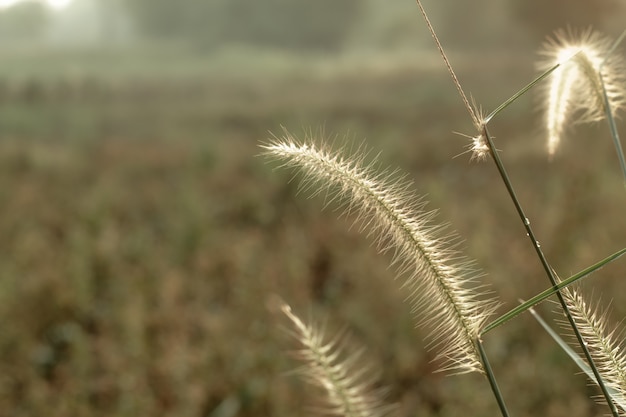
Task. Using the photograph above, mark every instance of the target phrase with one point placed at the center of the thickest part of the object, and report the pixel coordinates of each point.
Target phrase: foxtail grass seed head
(587, 67)
(603, 345)
(479, 147)
(347, 383)
(441, 285)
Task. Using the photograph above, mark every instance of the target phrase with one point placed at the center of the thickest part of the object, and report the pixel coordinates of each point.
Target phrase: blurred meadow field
(143, 240)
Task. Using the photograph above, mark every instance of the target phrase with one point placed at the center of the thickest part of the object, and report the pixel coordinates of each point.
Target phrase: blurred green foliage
(291, 24)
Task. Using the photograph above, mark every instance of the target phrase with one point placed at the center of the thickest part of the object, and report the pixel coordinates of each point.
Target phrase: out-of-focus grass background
(142, 238)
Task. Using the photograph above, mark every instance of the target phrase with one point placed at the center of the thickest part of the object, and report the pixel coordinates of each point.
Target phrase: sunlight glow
(53, 4)
(59, 4)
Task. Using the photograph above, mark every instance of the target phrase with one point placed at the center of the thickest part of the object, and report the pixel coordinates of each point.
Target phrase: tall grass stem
(457, 84)
(613, 127)
(520, 93)
(549, 272)
(615, 394)
(527, 305)
(492, 379)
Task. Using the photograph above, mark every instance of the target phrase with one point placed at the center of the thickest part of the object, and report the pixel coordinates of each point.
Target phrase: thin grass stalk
(492, 379)
(609, 110)
(616, 390)
(546, 267)
(602, 344)
(613, 127)
(474, 115)
(527, 305)
(478, 144)
(520, 93)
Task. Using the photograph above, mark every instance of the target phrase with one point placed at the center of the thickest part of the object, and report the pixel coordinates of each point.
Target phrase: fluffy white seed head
(603, 345)
(441, 285)
(586, 67)
(346, 378)
(479, 147)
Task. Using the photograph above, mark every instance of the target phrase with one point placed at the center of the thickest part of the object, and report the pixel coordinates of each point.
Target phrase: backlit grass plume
(347, 383)
(587, 71)
(604, 346)
(441, 284)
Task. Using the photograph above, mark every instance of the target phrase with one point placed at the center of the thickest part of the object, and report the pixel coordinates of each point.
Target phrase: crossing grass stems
(580, 74)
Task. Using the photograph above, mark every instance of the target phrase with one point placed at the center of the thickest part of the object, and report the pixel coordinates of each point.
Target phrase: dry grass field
(142, 238)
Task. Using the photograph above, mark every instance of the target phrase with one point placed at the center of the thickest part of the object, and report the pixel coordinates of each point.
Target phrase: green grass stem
(577, 359)
(492, 379)
(609, 111)
(546, 266)
(520, 93)
(613, 127)
(527, 305)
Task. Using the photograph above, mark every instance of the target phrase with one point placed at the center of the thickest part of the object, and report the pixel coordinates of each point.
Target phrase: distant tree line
(325, 25)
(292, 24)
